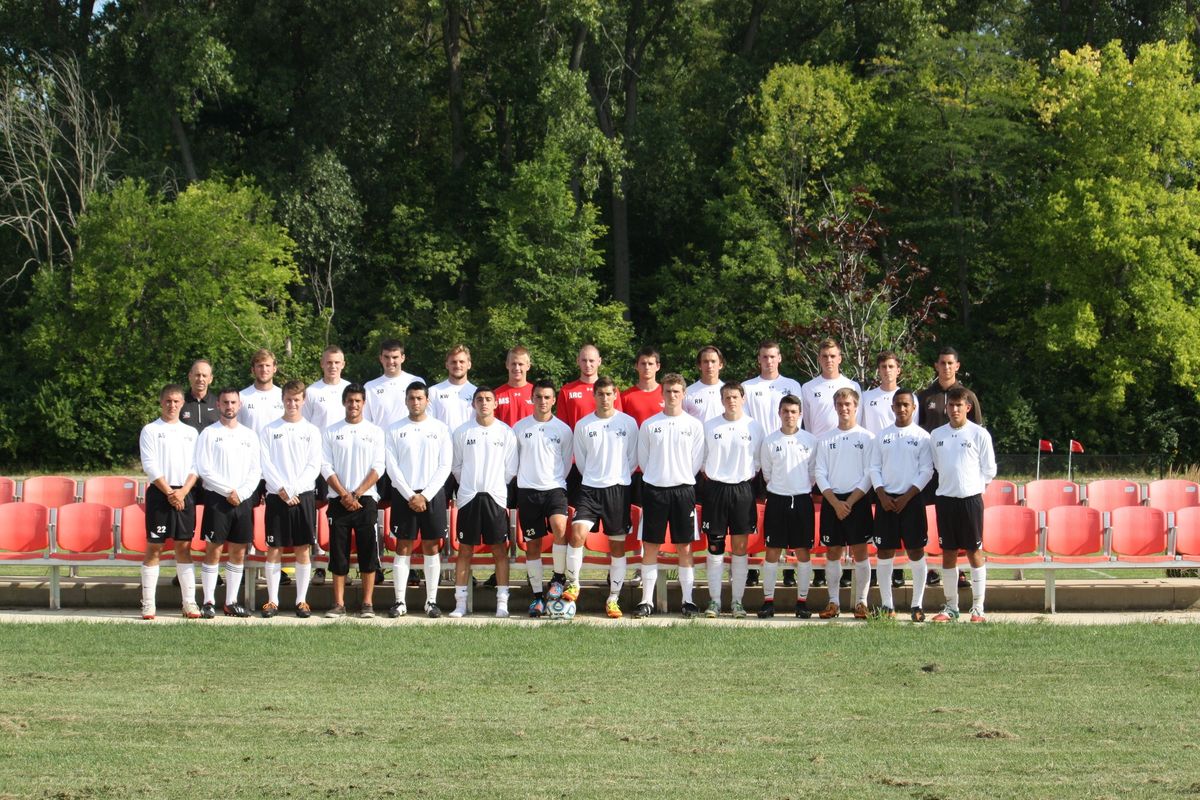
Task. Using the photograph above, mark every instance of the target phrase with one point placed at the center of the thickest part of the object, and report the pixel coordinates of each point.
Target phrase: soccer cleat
(337, 612)
(886, 613)
(917, 615)
(789, 577)
(845, 581)
(285, 579)
(459, 612)
(571, 592)
(303, 610)
(432, 611)
(414, 579)
(269, 610)
(713, 611)
(491, 581)
(397, 610)
(234, 610)
(367, 611)
(643, 610)
(860, 611)
(148, 609)
(978, 616)
(947, 614)
(318, 577)
(897, 579)
(752, 577)
(767, 610)
(818, 578)
(613, 609)
(802, 611)
(933, 579)
(963, 581)
(557, 586)
(208, 611)
(537, 608)
(832, 610)
(689, 610)
(739, 610)
(191, 610)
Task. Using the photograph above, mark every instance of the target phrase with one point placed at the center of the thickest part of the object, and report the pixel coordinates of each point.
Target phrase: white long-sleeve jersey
(731, 449)
(452, 404)
(419, 456)
(606, 450)
(260, 409)
(901, 459)
(789, 462)
(485, 460)
(875, 409)
(817, 414)
(168, 451)
(291, 456)
(544, 452)
(671, 449)
(351, 452)
(385, 399)
(762, 399)
(228, 460)
(703, 400)
(323, 403)
(844, 460)
(964, 459)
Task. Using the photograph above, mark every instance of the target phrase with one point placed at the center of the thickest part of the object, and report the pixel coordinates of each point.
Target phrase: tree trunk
(963, 291)
(452, 44)
(185, 148)
(752, 25)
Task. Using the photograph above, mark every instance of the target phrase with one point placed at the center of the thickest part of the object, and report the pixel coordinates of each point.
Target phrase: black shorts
(960, 523)
(164, 522)
(481, 521)
(535, 507)
(226, 523)
(788, 522)
(574, 484)
(669, 507)
(607, 507)
(321, 491)
(363, 524)
(383, 486)
(511, 502)
(637, 483)
(854, 529)
(433, 523)
(728, 508)
(259, 492)
(291, 526)
(908, 530)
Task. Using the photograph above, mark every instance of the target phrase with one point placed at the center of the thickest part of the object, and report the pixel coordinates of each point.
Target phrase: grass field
(575, 711)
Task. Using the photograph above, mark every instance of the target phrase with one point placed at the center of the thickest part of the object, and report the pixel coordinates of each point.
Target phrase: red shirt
(513, 403)
(642, 405)
(576, 400)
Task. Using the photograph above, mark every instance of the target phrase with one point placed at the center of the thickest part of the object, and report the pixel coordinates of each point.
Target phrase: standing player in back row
(514, 402)
(703, 398)
(261, 401)
(817, 412)
(764, 392)
(323, 399)
(575, 401)
(642, 401)
(965, 464)
(875, 411)
(450, 400)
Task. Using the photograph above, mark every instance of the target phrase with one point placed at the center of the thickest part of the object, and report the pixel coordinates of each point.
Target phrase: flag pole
(1070, 452)
(1038, 477)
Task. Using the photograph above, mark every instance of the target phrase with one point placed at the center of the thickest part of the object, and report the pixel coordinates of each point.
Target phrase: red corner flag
(1045, 446)
(1076, 447)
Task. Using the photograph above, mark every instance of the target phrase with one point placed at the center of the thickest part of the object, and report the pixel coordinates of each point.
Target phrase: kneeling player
(901, 465)
(788, 461)
(843, 476)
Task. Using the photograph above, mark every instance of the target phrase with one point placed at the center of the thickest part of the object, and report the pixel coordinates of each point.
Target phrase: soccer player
(843, 476)
(875, 412)
(965, 463)
(385, 394)
(291, 463)
(261, 401)
(229, 463)
(420, 454)
(901, 465)
(450, 400)
(544, 455)
(642, 401)
(788, 462)
(605, 448)
(731, 450)
(670, 452)
(703, 398)
(322, 400)
(199, 405)
(576, 401)
(817, 412)
(485, 460)
(514, 399)
(352, 459)
(168, 452)
(764, 392)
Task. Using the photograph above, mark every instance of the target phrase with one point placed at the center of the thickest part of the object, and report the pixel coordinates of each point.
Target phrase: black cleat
(235, 610)
(789, 577)
(643, 610)
(397, 610)
(689, 610)
(897, 579)
(318, 577)
(752, 577)
(818, 577)
(768, 609)
(285, 579)
(918, 615)
(208, 611)
(414, 579)
(432, 611)
(802, 611)
(933, 579)
(491, 581)
(303, 611)
(845, 581)
(963, 582)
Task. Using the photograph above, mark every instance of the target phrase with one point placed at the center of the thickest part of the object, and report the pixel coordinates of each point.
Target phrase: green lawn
(577, 711)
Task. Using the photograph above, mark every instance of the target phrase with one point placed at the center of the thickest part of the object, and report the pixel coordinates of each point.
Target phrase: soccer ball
(561, 609)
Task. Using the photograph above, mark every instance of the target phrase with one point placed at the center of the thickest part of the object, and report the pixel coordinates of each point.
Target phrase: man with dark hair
(764, 391)
(385, 394)
(642, 401)
(703, 398)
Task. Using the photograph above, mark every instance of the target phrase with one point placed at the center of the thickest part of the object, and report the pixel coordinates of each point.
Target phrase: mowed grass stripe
(880, 710)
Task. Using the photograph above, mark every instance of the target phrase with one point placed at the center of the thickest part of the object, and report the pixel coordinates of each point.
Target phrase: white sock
(233, 581)
(502, 597)
(149, 583)
(187, 582)
(460, 598)
(303, 577)
(402, 566)
(616, 577)
(804, 571)
(833, 579)
(574, 563)
(687, 581)
(920, 571)
(862, 581)
(559, 553)
(533, 565)
(978, 587)
(715, 571)
(737, 576)
(885, 567)
(770, 573)
(433, 568)
(950, 586)
(208, 581)
(649, 578)
(274, 572)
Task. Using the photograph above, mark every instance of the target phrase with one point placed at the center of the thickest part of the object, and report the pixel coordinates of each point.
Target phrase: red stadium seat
(1112, 494)
(113, 491)
(597, 541)
(1187, 534)
(1074, 535)
(1010, 535)
(1139, 535)
(1000, 493)
(24, 533)
(83, 536)
(133, 533)
(1173, 494)
(50, 491)
(1047, 494)
(8, 490)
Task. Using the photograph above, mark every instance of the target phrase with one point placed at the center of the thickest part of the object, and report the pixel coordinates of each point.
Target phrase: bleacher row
(55, 522)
